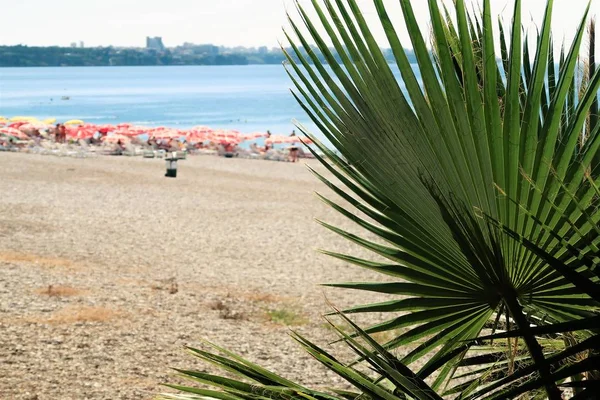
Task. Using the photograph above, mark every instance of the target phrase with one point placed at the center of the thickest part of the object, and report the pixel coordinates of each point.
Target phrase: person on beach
(63, 133)
(267, 147)
(58, 133)
(255, 149)
(36, 136)
(293, 150)
(120, 148)
(152, 143)
(173, 145)
(230, 147)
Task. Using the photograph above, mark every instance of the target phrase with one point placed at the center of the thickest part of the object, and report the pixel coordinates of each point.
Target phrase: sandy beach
(108, 269)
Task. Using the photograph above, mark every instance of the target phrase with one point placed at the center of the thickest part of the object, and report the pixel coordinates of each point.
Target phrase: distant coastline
(26, 56)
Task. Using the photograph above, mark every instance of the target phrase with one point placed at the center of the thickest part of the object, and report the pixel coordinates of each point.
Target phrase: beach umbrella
(104, 129)
(226, 133)
(252, 136)
(25, 119)
(224, 136)
(298, 140)
(280, 139)
(49, 121)
(74, 122)
(131, 130)
(168, 134)
(79, 132)
(139, 130)
(27, 127)
(193, 136)
(8, 131)
(200, 133)
(123, 125)
(115, 138)
(17, 125)
(276, 139)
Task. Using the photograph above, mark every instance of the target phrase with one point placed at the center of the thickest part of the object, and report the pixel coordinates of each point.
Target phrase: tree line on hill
(26, 56)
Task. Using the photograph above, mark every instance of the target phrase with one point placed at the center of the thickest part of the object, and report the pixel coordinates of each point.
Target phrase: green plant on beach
(481, 183)
(286, 317)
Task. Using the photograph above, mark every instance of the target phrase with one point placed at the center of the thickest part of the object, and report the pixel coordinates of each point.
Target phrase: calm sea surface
(246, 98)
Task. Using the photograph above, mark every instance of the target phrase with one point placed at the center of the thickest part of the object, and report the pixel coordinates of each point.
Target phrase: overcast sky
(222, 22)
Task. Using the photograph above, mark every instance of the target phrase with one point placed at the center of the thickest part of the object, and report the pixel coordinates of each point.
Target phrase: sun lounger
(276, 155)
(87, 150)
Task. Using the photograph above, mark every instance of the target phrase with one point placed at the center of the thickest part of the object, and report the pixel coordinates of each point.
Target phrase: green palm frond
(478, 173)
(463, 135)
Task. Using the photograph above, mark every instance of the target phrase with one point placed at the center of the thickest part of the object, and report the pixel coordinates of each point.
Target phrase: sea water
(252, 98)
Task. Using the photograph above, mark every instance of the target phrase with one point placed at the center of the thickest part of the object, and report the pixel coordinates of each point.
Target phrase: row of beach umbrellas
(22, 127)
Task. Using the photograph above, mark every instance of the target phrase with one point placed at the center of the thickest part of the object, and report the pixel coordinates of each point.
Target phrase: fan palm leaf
(455, 137)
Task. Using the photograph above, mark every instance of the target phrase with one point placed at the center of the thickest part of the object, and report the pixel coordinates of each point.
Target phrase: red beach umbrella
(276, 139)
(199, 135)
(33, 126)
(298, 139)
(167, 134)
(8, 131)
(79, 132)
(228, 136)
(115, 139)
(279, 139)
(18, 124)
(252, 136)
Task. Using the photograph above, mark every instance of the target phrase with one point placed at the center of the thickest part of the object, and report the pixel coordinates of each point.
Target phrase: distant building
(154, 43)
(206, 49)
(73, 44)
(81, 44)
(263, 50)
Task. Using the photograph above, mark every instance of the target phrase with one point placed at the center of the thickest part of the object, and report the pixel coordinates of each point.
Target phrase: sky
(223, 22)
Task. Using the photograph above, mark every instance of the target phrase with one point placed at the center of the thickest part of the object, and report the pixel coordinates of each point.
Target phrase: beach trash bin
(171, 162)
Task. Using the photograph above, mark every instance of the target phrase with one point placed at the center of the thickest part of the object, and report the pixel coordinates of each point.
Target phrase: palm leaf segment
(422, 161)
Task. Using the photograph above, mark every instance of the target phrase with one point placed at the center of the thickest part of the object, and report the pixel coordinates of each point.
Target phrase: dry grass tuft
(48, 262)
(172, 287)
(71, 315)
(226, 311)
(258, 297)
(59, 291)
